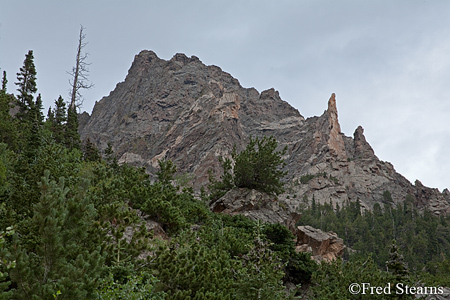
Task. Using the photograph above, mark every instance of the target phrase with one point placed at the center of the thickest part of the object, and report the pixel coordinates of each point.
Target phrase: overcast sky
(387, 61)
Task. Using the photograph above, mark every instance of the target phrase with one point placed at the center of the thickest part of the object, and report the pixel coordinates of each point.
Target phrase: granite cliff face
(191, 113)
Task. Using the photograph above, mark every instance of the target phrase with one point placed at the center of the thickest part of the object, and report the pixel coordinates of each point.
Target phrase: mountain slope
(191, 113)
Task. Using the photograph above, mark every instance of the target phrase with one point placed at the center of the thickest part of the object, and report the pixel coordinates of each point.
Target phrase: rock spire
(335, 140)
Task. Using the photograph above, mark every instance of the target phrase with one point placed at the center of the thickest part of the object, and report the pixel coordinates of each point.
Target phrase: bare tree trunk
(79, 73)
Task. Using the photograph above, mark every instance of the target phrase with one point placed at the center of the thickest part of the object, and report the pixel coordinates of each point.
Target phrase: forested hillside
(74, 224)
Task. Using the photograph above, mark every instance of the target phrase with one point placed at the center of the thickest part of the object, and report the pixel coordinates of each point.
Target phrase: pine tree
(91, 152)
(262, 272)
(259, 166)
(71, 136)
(191, 270)
(396, 264)
(26, 82)
(59, 120)
(5, 264)
(8, 126)
(38, 107)
(334, 279)
(4, 81)
(34, 134)
(49, 121)
(58, 262)
(33, 140)
(110, 157)
(166, 171)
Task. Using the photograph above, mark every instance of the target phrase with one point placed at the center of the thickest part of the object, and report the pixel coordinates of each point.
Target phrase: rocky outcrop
(190, 113)
(325, 246)
(362, 149)
(334, 134)
(256, 205)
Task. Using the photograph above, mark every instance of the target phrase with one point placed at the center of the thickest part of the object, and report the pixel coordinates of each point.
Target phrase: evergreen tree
(33, 141)
(5, 264)
(90, 151)
(4, 81)
(334, 280)
(189, 270)
(109, 156)
(262, 272)
(8, 125)
(26, 82)
(58, 261)
(166, 171)
(137, 287)
(396, 264)
(49, 121)
(298, 267)
(50, 115)
(259, 166)
(72, 137)
(34, 134)
(59, 119)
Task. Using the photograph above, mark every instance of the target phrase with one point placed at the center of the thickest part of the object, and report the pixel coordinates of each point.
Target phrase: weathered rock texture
(257, 206)
(191, 113)
(323, 245)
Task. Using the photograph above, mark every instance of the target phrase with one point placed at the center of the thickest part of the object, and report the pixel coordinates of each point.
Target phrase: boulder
(256, 205)
(323, 245)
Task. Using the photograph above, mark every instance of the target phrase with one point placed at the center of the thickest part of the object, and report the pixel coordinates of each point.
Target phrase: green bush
(135, 287)
(259, 166)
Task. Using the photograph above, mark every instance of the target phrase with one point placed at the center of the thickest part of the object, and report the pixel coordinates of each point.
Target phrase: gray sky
(387, 61)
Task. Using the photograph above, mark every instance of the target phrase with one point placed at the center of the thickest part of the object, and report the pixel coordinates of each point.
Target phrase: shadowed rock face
(183, 110)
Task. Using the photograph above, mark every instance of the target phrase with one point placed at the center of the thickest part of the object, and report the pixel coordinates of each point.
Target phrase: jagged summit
(335, 140)
(362, 147)
(191, 113)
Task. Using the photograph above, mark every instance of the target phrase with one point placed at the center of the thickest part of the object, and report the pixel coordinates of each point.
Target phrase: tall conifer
(59, 261)
(26, 82)
(8, 130)
(4, 81)
(59, 120)
(72, 137)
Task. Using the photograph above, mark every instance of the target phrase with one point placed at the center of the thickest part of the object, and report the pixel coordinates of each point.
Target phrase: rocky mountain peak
(183, 59)
(270, 94)
(182, 110)
(335, 140)
(143, 60)
(362, 147)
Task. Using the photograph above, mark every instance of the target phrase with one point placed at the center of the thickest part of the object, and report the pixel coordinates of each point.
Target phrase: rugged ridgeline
(191, 113)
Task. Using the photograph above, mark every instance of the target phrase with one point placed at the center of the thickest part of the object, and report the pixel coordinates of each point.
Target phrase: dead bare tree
(79, 74)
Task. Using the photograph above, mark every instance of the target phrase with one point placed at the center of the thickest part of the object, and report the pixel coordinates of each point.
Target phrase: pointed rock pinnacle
(335, 140)
(362, 147)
